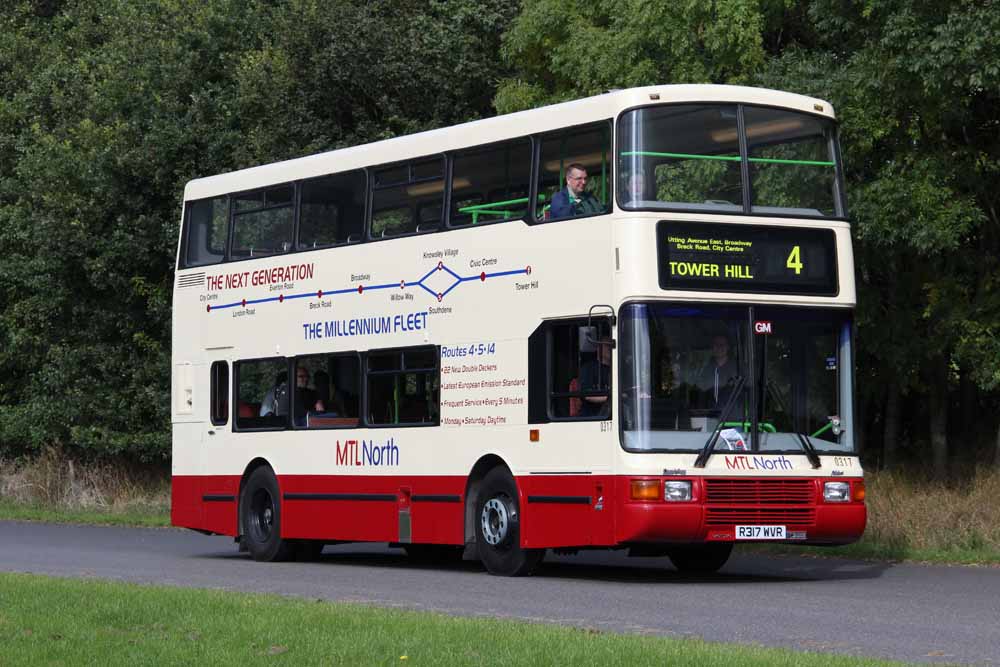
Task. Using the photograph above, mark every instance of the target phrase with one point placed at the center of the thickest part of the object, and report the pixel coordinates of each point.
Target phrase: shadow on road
(609, 566)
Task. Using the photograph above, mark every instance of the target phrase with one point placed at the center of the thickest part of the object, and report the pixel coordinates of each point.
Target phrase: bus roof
(489, 130)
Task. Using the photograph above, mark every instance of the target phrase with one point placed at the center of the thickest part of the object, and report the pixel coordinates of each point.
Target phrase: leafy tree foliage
(916, 86)
(107, 107)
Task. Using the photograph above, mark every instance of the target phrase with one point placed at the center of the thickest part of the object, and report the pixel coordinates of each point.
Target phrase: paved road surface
(905, 612)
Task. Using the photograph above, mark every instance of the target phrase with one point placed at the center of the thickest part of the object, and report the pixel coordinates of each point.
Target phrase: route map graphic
(361, 289)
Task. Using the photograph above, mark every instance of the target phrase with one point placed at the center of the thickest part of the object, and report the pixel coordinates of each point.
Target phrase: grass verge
(56, 621)
(130, 516)
(57, 489)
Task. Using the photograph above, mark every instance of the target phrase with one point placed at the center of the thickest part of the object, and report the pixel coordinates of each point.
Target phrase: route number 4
(794, 260)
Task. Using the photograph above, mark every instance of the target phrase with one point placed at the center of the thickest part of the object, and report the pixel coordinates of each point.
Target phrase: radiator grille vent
(759, 491)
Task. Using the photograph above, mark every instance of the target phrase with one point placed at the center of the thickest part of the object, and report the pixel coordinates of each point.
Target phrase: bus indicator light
(645, 489)
(533, 435)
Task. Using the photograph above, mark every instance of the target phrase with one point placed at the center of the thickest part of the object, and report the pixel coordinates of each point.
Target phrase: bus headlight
(836, 492)
(676, 491)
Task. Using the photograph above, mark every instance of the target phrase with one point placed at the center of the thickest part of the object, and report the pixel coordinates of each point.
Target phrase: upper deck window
(205, 235)
(262, 222)
(791, 162)
(681, 156)
(491, 184)
(408, 198)
(574, 173)
(332, 210)
(688, 157)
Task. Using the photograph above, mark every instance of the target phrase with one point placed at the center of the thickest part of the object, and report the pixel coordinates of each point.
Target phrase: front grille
(779, 516)
(759, 491)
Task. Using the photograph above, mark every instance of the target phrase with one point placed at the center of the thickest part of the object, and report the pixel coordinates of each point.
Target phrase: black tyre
(260, 509)
(429, 554)
(700, 558)
(498, 528)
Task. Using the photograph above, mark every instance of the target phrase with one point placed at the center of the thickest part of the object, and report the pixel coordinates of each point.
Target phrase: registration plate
(760, 532)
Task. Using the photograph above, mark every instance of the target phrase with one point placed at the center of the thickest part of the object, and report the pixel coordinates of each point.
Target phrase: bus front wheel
(498, 528)
(700, 558)
(261, 512)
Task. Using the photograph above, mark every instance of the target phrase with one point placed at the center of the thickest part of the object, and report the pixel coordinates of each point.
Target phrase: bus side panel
(566, 510)
(185, 501)
(220, 498)
(368, 508)
(437, 506)
(205, 502)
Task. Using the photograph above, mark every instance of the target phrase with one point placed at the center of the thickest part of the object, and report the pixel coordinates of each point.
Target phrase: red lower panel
(368, 509)
(207, 502)
(839, 524)
(566, 510)
(556, 511)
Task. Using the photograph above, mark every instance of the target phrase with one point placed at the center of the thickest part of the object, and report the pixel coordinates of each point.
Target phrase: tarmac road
(917, 613)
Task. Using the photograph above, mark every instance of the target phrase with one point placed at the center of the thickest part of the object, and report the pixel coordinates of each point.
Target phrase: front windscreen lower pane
(792, 167)
(681, 366)
(685, 370)
(681, 156)
(803, 373)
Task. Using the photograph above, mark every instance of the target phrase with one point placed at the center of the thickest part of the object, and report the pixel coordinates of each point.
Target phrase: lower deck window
(262, 392)
(404, 386)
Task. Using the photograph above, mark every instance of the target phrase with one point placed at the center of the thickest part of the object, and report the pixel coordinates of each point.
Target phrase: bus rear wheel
(260, 509)
(498, 528)
(700, 558)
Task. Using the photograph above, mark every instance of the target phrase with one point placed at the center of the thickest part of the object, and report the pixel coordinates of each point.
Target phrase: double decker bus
(618, 322)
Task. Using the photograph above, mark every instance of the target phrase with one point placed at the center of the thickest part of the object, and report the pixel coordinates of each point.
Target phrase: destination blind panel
(746, 258)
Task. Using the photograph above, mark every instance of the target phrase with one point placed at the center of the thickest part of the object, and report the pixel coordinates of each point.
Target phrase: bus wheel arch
(497, 522)
(472, 487)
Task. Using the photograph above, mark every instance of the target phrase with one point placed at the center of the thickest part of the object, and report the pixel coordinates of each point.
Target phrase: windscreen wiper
(706, 451)
(804, 441)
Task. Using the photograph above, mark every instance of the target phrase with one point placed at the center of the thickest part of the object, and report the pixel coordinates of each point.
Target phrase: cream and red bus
(431, 341)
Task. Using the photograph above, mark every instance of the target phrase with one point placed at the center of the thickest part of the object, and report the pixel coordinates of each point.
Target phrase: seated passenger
(574, 200)
(275, 401)
(635, 189)
(306, 399)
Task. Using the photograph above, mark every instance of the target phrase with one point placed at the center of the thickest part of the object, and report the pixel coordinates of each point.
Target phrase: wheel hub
(495, 521)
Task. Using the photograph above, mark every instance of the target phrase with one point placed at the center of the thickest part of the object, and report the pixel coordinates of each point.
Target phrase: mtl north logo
(367, 453)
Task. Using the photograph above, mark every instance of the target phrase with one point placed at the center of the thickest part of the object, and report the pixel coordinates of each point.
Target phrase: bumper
(712, 515)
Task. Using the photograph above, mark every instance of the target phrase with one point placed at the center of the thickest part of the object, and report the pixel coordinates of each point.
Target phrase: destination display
(746, 258)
